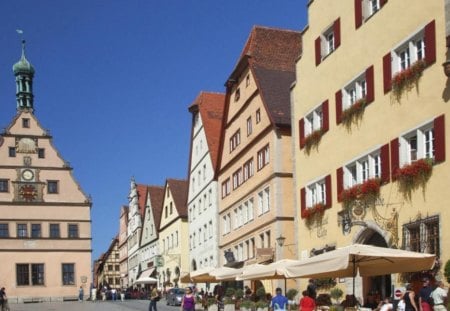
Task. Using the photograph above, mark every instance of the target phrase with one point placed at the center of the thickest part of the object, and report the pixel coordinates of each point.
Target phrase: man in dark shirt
(424, 295)
(311, 289)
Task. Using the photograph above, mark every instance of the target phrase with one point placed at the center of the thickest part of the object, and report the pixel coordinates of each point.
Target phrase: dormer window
(25, 122)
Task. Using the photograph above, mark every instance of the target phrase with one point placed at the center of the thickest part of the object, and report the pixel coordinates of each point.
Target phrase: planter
(228, 307)
(367, 192)
(313, 214)
(213, 307)
(405, 80)
(413, 176)
(354, 113)
(313, 140)
(199, 306)
(262, 309)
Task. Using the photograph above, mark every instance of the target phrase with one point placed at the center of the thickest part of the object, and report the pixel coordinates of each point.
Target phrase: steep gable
(211, 107)
(156, 195)
(179, 190)
(142, 198)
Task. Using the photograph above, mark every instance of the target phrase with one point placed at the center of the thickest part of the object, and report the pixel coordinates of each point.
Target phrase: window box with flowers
(366, 192)
(313, 140)
(313, 214)
(354, 113)
(405, 80)
(412, 176)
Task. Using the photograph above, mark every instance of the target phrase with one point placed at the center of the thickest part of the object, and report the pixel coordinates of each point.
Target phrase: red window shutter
(302, 201)
(338, 97)
(385, 165)
(395, 160)
(337, 33)
(358, 13)
(301, 130)
(383, 2)
(325, 116)
(430, 43)
(370, 96)
(439, 139)
(318, 51)
(328, 191)
(339, 183)
(387, 73)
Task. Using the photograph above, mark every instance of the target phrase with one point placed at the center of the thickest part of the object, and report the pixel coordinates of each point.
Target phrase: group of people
(4, 300)
(428, 299)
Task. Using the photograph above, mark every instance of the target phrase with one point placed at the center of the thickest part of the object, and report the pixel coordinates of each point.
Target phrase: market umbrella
(226, 273)
(146, 280)
(367, 260)
(203, 275)
(274, 270)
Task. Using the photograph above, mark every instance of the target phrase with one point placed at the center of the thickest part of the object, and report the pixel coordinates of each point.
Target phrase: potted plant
(366, 192)
(228, 300)
(354, 113)
(211, 303)
(290, 295)
(336, 293)
(412, 176)
(239, 294)
(261, 293)
(262, 305)
(247, 305)
(406, 79)
(313, 140)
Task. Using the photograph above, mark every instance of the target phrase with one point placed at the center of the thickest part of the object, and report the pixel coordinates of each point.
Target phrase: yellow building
(174, 233)
(45, 221)
(255, 175)
(369, 108)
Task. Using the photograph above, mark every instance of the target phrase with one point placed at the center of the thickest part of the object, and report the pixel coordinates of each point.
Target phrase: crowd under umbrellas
(349, 261)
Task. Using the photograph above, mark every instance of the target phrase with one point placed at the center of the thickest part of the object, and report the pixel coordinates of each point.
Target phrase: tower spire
(24, 72)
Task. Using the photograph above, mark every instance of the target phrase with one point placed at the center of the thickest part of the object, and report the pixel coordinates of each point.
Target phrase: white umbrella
(226, 273)
(203, 275)
(274, 270)
(146, 280)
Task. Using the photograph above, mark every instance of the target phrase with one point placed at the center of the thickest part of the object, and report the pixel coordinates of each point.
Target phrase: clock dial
(27, 174)
(28, 193)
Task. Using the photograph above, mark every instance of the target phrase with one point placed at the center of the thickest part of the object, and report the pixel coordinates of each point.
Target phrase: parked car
(174, 296)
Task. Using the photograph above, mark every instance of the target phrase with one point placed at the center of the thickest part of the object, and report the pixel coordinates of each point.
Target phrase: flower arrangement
(414, 175)
(406, 79)
(313, 140)
(354, 113)
(318, 208)
(367, 192)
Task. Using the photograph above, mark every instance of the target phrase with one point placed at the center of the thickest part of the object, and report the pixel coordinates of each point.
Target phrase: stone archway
(378, 286)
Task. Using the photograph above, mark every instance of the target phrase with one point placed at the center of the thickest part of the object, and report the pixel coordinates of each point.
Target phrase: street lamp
(280, 240)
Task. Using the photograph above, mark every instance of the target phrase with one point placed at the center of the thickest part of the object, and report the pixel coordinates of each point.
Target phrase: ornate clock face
(27, 174)
(28, 193)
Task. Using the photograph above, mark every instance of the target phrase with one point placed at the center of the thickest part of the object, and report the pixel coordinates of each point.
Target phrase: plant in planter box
(211, 303)
(313, 140)
(354, 113)
(336, 293)
(247, 304)
(262, 305)
(406, 79)
(412, 176)
(366, 192)
(290, 295)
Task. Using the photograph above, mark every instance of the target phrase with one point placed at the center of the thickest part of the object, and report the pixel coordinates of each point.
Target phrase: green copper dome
(23, 65)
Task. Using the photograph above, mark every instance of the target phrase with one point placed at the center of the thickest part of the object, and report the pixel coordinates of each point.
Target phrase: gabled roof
(271, 55)
(211, 107)
(179, 191)
(142, 198)
(156, 194)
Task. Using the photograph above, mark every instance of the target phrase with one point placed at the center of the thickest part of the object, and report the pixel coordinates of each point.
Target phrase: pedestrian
(94, 294)
(306, 303)
(4, 299)
(113, 294)
(312, 289)
(80, 294)
(439, 296)
(279, 301)
(188, 301)
(409, 297)
(154, 297)
(424, 295)
(386, 305)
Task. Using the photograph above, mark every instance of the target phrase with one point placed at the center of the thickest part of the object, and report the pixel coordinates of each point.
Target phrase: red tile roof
(156, 194)
(271, 56)
(179, 190)
(142, 198)
(211, 108)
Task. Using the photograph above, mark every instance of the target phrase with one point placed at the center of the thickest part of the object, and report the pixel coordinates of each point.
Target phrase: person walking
(188, 301)
(80, 294)
(154, 297)
(4, 300)
(439, 296)
(409, 299)
(279, 301)
(312, 289)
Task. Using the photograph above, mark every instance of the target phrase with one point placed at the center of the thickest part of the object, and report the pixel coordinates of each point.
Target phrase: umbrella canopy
(203, 275)
(368, 260)
(274, 270)
(146, 280)
(226, 273)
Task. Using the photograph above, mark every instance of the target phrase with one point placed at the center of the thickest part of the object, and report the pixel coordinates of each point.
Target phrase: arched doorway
(376, 286)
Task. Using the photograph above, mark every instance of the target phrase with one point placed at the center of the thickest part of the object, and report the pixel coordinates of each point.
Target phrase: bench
(70, 298)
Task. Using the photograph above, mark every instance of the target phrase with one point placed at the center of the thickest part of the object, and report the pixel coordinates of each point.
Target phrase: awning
(145, 277)
(146, 273)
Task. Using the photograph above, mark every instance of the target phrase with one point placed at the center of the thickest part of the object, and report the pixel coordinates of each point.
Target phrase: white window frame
(425, 144)
(408, 52)
(316, 193)
(362, 169)
(355, 90)
(313, 120)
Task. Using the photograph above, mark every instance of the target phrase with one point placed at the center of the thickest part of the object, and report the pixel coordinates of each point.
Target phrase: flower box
(414, 175)
(354, 113)
(366, 192)
(313, 140)
(406, 79)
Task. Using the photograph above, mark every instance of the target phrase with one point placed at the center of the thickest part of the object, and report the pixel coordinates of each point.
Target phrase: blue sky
(114, 79)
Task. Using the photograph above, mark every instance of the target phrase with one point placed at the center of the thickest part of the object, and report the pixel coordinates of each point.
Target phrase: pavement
(127, 305)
